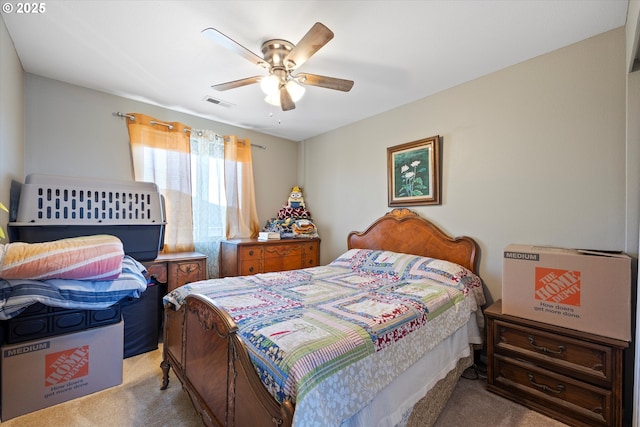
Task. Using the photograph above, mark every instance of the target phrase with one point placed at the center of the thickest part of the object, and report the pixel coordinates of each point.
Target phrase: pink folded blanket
(97, 257)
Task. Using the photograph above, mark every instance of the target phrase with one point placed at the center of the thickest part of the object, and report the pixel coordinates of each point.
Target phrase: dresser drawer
(311, 254)
(284, 250)
(250, 267)
(250, 253)
(580, 359)
(567, 397)
(283, 263)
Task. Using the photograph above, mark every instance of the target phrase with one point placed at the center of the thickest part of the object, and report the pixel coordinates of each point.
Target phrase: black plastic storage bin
(143, 320)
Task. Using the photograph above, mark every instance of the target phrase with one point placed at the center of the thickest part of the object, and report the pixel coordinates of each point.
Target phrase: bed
(379, 336)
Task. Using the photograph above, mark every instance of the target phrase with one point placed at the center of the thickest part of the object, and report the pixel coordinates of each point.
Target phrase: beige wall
(534, 153)
(71, 130)
(11, 118)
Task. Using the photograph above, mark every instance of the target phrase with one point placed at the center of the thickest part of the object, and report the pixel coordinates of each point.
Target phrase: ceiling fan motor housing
(275, 51)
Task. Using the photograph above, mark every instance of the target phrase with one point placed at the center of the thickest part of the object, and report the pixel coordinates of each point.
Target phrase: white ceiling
(395, 51)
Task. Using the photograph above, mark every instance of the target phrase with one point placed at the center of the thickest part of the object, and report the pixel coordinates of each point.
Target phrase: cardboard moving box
(583, 290)
(41, 373)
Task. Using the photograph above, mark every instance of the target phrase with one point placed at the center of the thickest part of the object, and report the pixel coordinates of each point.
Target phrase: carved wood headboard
(402, 230)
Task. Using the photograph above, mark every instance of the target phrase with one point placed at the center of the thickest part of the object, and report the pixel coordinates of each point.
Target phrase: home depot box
(40, 373)
(584, 290)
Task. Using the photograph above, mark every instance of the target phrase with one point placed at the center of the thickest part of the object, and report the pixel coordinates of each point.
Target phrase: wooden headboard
(402, 230)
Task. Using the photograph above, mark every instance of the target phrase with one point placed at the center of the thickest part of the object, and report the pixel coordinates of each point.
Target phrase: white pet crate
(56, 207)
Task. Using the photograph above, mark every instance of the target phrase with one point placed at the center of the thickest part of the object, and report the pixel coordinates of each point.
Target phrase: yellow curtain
(242, 214)
(161, 154)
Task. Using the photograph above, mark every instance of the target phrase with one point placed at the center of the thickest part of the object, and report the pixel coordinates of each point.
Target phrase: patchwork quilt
(312, 333)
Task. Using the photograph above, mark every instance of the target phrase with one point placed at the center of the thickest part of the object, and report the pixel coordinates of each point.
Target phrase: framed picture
(413, 171)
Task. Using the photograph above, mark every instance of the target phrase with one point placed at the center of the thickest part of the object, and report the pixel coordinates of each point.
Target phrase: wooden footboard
(202, 347)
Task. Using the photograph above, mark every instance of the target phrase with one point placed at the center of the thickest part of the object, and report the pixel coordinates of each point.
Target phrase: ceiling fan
(281, 58)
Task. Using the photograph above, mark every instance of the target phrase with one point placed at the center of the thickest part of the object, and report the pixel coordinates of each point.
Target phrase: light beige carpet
(472, 405)
(138, 401)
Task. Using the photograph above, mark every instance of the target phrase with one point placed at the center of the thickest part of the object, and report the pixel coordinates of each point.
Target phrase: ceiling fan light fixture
(295, 90)
(273, 99)
(270, 84)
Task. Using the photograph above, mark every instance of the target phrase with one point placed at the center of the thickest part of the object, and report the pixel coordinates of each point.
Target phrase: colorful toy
(295, 198)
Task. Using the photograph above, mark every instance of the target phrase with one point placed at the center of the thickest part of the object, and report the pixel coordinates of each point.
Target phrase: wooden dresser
(572, 376)
(242, 257)
(176, 269)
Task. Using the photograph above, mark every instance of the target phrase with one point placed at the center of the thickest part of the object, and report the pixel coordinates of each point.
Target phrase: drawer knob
(559, 388)
(250, 269)
(251, 252)
(545, 350)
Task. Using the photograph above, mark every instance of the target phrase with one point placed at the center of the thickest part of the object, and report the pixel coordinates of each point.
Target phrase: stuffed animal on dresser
(295, 198)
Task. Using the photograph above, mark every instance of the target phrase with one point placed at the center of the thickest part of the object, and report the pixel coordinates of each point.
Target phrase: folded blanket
(304, 228)
(97, 257)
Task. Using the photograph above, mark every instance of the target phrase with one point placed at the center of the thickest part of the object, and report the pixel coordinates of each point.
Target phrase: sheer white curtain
(208, 195)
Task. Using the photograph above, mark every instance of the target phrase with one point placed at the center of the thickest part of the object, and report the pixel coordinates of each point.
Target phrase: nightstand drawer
(586, 403)
(582, 359)
(186, 272)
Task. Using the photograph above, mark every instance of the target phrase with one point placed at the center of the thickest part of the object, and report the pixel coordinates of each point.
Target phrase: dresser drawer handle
(559, 388)
(251, 252)
(545, 350)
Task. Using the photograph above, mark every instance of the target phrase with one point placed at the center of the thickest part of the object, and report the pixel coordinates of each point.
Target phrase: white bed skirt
(390, 405)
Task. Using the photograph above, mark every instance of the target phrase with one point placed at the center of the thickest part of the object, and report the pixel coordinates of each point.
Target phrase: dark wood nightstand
(241, 257)
(176, 269)
(572, 376)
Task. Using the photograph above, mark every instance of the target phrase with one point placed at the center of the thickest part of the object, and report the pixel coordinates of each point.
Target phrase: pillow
(97, 257)
(408, 267)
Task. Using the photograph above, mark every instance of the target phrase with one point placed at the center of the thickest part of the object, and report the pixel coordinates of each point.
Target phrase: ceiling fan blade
(323, 81)
(285, 100)
(234, 46)
(237, 83)
(316, 37)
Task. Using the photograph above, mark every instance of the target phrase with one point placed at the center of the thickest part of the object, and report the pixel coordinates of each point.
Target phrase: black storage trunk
(41, 321)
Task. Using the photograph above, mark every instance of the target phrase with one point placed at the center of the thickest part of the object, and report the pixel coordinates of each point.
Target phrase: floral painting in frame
(413, 171)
